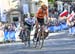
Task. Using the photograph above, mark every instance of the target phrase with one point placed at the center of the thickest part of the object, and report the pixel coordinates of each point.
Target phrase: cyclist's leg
(42, 33)
(36, 39)
(27, 33)
(39, 24)
(36, 31)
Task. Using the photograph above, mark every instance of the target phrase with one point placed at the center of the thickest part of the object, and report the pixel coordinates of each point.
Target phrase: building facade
(17, 8)
(14, 11)
(7, 7)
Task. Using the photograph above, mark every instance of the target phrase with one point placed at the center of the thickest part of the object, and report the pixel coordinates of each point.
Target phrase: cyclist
(30, 22)
(41, 13)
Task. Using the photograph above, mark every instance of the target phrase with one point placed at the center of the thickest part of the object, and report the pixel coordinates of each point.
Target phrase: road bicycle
(40, 36)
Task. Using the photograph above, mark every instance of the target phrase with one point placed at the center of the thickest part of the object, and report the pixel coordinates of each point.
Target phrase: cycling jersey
(30, 21)
(41, 13)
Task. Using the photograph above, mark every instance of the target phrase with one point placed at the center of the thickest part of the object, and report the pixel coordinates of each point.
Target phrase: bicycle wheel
(41, 39)
(27, 38)
(35, 40)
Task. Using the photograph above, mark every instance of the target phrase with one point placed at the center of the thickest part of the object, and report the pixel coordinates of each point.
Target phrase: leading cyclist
(41, 13)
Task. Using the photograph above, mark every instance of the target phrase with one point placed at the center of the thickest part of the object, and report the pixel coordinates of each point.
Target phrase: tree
(52, 1)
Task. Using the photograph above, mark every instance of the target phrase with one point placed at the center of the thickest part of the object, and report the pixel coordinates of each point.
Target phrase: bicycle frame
(40, 36)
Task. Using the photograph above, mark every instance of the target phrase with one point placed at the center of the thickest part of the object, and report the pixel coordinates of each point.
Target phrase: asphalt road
(56, 43)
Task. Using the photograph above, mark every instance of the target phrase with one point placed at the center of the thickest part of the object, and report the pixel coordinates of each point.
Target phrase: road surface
(56, 43)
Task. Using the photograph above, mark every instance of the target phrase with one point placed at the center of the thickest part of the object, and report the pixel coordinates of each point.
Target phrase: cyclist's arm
(46, 15)
(36, 23)
(47, 21)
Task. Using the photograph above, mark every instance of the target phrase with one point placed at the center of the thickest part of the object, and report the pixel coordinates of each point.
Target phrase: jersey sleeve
(47, 13)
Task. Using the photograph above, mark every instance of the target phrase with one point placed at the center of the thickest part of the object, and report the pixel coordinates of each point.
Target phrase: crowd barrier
(72, 30)
(58, 28)
(9, 35)
(13, 35)
(54, 28)
(64, 26)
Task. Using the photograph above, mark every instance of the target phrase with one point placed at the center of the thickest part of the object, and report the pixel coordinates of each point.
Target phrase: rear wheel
(35, 40)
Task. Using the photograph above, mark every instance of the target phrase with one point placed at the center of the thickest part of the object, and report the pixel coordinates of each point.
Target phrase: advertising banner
(25, 8)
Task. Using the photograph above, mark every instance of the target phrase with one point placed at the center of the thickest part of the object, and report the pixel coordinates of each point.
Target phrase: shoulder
(26, 19)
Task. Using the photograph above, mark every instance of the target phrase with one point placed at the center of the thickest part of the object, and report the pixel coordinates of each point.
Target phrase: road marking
(61, 39)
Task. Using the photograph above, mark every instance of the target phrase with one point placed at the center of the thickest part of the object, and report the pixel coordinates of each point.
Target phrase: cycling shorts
(40, 21)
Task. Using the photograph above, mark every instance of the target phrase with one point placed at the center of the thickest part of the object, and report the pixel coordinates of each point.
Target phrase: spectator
(1, 33)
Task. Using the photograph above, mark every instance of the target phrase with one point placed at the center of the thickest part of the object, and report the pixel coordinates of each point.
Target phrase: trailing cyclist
(28, 24)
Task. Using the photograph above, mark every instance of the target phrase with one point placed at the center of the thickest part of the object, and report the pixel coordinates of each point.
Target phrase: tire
(41, 41)
(27, 38)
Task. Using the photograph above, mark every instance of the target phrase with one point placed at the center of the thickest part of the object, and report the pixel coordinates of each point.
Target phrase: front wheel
(41, 42)
(41, 39)
(27, 38)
